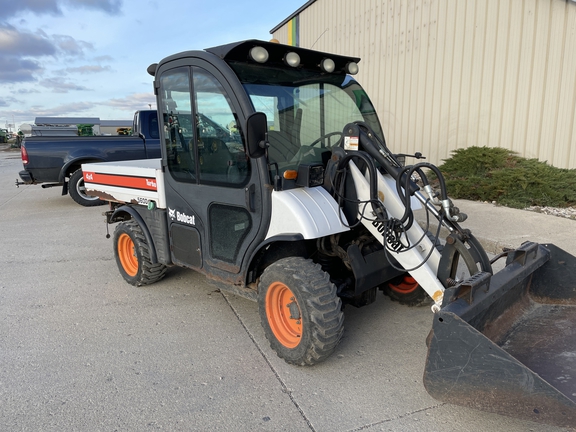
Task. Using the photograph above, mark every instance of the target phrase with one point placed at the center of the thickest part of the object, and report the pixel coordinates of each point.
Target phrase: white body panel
(426, 273)
(136, 182)
(311, 212)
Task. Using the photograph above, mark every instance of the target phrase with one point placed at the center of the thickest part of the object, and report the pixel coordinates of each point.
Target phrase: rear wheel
(405, 290)
(77, 191)
(132, 254)
(300, 311)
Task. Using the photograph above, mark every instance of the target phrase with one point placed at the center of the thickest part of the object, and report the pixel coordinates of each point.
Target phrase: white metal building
(447, 74)
(100, 127)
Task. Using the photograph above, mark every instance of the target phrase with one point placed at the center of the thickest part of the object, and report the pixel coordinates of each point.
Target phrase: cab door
(212, 192)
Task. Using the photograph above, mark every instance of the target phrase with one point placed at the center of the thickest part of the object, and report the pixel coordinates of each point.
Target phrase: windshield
(306, 111)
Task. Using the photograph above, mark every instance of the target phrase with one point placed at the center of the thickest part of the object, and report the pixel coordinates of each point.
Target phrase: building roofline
(40, 121)
(301, 9)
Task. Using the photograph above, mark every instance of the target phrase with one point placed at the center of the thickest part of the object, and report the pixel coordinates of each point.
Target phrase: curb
(491, 246)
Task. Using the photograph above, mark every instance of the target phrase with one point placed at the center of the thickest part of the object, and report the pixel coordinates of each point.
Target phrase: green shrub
(497, 174)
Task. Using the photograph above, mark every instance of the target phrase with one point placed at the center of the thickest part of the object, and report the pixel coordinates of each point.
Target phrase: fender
(311, 212)
(76, 161)
(263, 248)
(134, 214)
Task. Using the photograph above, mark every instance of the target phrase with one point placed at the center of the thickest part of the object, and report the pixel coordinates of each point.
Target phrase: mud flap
(507, 343)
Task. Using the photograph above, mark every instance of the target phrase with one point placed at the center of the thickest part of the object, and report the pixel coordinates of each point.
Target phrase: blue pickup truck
(56, 161)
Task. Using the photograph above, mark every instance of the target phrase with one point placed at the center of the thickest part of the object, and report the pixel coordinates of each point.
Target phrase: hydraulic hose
(406, 175)
(377, 206)
(380, 153)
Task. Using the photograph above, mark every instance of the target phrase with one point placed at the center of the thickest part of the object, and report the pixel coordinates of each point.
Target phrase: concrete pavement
(82, 350)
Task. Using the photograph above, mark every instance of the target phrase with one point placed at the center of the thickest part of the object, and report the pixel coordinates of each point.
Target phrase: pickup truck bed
(56, 161)
(136, 182)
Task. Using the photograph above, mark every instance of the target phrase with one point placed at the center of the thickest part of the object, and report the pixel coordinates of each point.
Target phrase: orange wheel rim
(127, 255)
(406, 286)
(281, 306)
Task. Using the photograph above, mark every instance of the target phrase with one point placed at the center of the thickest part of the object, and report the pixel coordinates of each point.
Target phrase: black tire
(405, 290)
(300, 311)
(132, 255)
(77, 191)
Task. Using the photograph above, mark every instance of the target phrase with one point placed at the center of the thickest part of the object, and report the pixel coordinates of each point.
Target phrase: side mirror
(257, 134)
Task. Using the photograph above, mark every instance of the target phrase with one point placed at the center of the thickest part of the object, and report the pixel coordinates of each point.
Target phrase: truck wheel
(132, 255)
(300, 311)
(78, 191)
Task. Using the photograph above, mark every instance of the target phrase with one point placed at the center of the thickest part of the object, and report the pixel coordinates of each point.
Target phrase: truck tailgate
(135, 182)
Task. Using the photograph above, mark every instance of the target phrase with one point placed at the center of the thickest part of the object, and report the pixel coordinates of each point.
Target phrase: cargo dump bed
(136, 182)
(507, 343)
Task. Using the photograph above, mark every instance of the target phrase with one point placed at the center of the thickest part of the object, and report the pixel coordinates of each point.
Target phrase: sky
(88, 58)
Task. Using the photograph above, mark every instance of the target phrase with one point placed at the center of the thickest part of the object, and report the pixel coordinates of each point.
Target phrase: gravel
(567, 212)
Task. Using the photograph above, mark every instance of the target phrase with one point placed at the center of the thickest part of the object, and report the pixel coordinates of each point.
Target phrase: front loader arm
(416, 252)
(386, 195)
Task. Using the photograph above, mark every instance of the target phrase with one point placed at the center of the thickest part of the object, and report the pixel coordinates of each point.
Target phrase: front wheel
(132, 254)
(300, 311)
(78, 193)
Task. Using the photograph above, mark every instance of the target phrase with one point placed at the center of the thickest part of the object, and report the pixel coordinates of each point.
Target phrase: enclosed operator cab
(224, 201)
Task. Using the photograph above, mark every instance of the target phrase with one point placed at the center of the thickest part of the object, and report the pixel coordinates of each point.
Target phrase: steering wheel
(326, 136)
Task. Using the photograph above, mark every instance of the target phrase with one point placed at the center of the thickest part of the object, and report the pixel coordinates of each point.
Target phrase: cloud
(18, 50)
(27, 91)
(11, 8)
(57, 85)
(88, 69)
(71, 109)
(133, 102)
(65, 109)
(70, 46)
(108, 6)
(28, 115)
(7, 101)
(104, 58)
(21, 43)
(14, 70)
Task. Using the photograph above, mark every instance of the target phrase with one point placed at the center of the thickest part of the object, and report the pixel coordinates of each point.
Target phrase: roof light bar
(328, 65)
(292, 59)
(259, 54)
(352, 68)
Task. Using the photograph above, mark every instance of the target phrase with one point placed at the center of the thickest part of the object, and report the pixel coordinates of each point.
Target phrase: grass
(500, 175)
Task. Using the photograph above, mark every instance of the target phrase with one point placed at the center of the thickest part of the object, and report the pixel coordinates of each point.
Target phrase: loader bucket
(507, 343)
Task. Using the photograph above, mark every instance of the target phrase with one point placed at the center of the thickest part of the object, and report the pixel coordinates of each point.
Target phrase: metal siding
(448, 74)
(567, 99)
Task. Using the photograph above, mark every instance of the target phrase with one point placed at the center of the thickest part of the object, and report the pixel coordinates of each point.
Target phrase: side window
(221, 154)
(284, 122)
(178, 130)
(136, 123)
(153, 127)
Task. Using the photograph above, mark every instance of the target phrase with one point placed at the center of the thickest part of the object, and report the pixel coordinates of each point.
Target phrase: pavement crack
(283, 385)
(408, 414)
(20, 191)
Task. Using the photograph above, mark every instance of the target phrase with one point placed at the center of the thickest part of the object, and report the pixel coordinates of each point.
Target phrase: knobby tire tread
(150, 273)
(323, 305)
